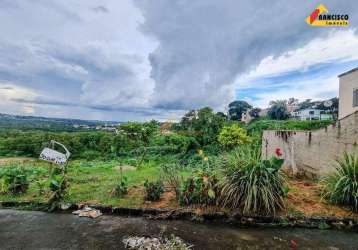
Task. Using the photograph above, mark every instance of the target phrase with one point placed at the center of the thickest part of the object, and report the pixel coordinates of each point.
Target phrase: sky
(140, 60)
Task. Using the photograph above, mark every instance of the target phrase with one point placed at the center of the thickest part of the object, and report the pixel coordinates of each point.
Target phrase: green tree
(233, 135)
(278, 110)
(236, 109)
(203, 124)
(255, 112)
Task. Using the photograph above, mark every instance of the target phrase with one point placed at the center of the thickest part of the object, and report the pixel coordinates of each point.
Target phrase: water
(38, 230)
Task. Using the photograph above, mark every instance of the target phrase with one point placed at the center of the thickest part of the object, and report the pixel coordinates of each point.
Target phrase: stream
(39, 230)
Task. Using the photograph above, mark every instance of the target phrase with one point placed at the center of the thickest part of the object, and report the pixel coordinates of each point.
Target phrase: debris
(154, 243)
(293, 244)
(88, 212)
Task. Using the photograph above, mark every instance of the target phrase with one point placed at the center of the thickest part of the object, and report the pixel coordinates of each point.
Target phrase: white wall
(347, 83)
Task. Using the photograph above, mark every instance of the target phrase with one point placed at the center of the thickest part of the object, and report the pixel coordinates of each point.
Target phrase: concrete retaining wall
(313, 153)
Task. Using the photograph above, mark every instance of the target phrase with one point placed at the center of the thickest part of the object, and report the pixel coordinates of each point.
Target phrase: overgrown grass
(258, 126)
(91, 182)
(341, 187)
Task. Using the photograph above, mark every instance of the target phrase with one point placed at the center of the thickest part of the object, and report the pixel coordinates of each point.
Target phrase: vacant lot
(92, 182)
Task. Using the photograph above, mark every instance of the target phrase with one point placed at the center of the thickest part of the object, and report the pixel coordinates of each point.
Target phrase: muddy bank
(236, 219)
(39, 230)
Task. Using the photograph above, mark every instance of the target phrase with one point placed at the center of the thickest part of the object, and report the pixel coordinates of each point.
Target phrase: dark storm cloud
(45, 101)
(204, 45)
(145, 57)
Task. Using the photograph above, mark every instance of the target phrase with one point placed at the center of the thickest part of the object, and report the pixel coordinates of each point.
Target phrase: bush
(233, 135)
(121, 188)
(153, 190)
(258, 126)
(256, 186)
(171, 175)
(15, 179)
(341, 187)
(202, 189)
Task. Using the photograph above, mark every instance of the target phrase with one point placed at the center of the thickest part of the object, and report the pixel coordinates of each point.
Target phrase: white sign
(54, 156)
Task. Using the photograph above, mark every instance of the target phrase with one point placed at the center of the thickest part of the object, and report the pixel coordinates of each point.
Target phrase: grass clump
(153, 190)
(201, 188)
(14, 179)
(253, 185)
(341, 187)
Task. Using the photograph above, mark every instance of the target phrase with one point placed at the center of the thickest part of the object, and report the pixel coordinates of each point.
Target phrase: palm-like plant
(341, 187)
(253, 185)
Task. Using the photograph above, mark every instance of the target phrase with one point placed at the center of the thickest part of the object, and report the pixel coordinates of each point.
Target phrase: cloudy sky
(141, 59)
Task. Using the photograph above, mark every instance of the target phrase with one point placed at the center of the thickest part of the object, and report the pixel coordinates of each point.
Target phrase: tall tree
(278, 110)
(236, 109)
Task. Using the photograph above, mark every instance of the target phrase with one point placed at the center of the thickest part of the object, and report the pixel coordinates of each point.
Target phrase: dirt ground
(303, 199)
(7, 160)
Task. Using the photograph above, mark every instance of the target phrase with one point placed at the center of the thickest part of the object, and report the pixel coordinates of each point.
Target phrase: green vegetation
(202, 188)
(342, 186)
(153, 190)
(233, 135)
(14, 179)
(278, 110)
(259, 125)
(203, 160)
(253, 185)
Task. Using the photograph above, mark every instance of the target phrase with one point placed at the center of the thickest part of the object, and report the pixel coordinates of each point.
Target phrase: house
(247, 118)
(348, 93)
(310, 114)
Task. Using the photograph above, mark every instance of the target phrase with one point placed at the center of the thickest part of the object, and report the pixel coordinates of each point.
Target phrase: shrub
(171, 175)
(341, 187)
(58, 185)
(233, 135)
(256, 186)
(15, 179)
(153, 190)
(122, 186)
(202, 189)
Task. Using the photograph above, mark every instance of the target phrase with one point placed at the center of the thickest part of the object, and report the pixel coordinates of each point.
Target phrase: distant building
(247, 118)
(310, 114)
(348, 93)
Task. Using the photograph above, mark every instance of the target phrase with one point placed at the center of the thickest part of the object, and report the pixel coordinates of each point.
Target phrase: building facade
(310, 114)
(348, 93)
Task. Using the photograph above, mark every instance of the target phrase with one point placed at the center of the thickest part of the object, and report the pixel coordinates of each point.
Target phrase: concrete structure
(247, 118)
(313, 153)
(310, 114)
(348, 93)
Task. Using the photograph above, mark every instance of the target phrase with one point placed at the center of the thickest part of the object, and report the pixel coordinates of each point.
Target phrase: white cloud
(339, 46)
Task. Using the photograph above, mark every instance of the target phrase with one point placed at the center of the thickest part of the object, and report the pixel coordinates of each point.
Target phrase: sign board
(54, 156)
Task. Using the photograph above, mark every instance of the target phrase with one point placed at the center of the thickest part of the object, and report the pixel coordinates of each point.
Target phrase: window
(311, 112)
(355, 97)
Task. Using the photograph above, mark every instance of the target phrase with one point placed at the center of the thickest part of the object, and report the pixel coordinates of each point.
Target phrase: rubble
(88, 212)
(155, 243)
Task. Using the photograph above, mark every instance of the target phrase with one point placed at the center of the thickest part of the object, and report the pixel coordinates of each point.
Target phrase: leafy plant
(341, 187)
(251, 184)
(233, 135)
(202, 188)
(15, 179)
(121, 188)
(153, 190)
(58, 185)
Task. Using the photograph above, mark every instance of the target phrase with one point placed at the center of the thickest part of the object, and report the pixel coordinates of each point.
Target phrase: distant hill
(50, 124)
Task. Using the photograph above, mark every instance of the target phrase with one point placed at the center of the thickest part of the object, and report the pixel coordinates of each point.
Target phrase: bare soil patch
(125, 168)
(304, 198)
(8, 160)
